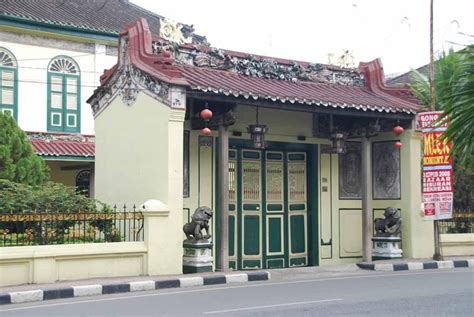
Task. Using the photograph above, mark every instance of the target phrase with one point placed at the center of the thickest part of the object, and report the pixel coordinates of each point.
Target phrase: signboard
(437, 167)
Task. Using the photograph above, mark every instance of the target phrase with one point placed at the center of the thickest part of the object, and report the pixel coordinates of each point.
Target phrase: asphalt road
(423, 293)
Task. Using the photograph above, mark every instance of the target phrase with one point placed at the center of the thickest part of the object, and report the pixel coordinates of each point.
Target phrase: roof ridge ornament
(173, 31)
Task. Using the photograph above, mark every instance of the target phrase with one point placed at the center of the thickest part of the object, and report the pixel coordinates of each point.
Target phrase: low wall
(457, 244)
(51, 263)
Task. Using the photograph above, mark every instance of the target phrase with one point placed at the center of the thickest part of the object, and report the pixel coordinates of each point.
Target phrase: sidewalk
(99, 286)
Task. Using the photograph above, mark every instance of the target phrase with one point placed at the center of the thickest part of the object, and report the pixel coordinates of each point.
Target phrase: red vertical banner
(437, 167)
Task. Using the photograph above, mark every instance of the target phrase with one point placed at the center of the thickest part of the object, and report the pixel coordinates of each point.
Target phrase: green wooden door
(267, 209)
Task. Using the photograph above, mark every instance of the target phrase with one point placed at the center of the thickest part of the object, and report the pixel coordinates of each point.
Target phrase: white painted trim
(236, 278)
(142, 286)
(26, 296)
(282, 238)
(191, 281)
(415, 266)
(87, 290)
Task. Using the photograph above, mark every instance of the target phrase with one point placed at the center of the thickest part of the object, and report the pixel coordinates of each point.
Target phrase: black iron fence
(45, 228)
(462, 222)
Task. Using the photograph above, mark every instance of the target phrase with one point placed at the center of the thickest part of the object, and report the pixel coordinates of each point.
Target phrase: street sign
(437, 167)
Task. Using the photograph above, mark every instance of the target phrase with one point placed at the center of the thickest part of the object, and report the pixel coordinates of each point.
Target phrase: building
(52, 54)
(296, 197)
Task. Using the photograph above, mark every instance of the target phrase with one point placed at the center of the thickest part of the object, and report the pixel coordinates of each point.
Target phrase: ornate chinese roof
(233, 74)
(51, 145)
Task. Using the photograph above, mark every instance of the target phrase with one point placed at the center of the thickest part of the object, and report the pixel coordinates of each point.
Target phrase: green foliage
(454, 87)
(459, 108)
(51, 198)
(18, 162)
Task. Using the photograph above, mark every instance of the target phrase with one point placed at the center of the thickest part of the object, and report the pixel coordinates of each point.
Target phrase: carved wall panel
(350, 166)
(385, 171)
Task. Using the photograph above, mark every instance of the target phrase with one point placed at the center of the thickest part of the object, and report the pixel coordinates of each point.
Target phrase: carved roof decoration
(238, 75)
(257, 66)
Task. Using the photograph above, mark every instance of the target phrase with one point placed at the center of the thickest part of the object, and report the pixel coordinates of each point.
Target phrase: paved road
(424, 293)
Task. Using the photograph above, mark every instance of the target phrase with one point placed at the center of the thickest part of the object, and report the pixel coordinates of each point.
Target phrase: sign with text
(437, 167)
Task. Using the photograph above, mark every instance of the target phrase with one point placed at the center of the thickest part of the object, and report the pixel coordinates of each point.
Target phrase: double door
(267, 209)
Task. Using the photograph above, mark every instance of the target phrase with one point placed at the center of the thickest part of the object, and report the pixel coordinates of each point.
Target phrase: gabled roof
(302, 92)
(405, 78)
(369, 95)
(106, 17)
(55, 145)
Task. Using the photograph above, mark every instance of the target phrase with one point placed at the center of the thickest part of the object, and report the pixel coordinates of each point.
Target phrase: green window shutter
(8, 83)
(64, 103)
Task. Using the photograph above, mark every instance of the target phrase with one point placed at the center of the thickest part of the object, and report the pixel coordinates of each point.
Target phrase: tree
(454, 89)
(18, 162)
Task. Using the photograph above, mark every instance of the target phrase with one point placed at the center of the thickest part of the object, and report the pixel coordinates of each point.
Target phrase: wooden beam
(75, 167)
(299, 107)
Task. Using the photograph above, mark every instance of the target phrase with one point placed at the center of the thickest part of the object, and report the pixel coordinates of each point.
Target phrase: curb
(412, 266)
(137, 286)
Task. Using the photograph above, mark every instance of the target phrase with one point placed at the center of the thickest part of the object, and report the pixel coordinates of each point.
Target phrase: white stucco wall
(33, 54)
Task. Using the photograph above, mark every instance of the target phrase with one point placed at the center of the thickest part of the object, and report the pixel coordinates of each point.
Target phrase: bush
(18, 162)
(50, 198)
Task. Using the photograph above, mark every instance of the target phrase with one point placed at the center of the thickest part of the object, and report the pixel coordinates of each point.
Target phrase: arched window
(83, 179)
(64, 95)
(8, 83)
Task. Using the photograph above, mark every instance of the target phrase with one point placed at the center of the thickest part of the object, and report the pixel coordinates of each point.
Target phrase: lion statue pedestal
(386, 242)
(197, 255)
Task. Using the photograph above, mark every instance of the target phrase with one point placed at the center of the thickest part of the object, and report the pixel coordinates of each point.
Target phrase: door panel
(251, 210)
(297, 207)
(267, 209)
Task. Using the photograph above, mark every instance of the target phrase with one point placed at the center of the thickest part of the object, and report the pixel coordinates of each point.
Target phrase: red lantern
(206, 131)
(398, 144)
(206, 114)
(398, 130)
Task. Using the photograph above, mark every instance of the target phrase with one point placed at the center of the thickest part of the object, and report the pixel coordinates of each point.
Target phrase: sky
(319, 31)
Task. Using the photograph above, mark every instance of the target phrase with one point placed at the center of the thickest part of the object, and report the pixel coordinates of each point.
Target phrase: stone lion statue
(199, 221)
(390, 225)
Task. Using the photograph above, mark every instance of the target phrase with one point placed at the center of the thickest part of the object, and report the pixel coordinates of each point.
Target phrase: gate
(268, 209)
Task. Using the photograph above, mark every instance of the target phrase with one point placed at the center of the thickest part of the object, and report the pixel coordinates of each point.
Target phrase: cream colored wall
(457, 244)
(66, 177)
(131, 147)
(51, 263)
(33, 54)
(138, 158)
(340, 221)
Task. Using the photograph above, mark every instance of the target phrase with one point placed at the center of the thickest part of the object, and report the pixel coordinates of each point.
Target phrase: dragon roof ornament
(257, 66)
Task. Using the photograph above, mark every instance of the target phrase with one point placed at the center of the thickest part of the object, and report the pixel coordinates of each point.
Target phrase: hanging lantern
(398, 144)
(206, 114)
(257, 134)
(206, 131)
(338, 144)
(398, 130)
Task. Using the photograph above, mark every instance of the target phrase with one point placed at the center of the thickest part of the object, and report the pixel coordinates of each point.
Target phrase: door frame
(312, 181)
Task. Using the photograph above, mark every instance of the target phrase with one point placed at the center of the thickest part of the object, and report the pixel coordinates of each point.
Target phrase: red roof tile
(303, 92)
(51, 144)
(373, 96)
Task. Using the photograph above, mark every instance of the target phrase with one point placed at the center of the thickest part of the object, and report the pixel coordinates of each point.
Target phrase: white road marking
(270, 306)
(253, 284)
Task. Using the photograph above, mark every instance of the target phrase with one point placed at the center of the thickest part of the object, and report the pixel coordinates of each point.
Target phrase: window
(8, 83)
(83, 179)
(64, 82)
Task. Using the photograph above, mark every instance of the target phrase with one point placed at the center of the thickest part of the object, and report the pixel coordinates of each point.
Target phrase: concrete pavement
(90, 287)
(445, 292)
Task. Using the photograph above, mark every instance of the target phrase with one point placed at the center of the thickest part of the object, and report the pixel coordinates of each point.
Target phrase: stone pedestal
(197, 256)
(385, 248)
